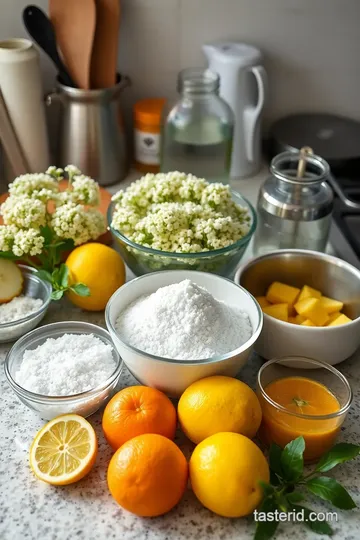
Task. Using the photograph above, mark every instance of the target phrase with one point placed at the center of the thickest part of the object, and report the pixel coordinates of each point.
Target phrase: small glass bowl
(143, 260)
(85, 403)
(280, 426)
(36, 288)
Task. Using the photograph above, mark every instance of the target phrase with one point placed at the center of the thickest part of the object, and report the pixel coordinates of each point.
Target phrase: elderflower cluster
(24, 212)
(179, 213)
(21, 242)
(84, 190)
(34, 186)
(76, 222)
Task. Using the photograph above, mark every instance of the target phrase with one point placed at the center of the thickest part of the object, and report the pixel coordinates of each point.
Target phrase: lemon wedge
(64, 450)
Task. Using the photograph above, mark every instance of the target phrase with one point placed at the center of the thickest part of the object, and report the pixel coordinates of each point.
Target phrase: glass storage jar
(293, 211)
(198, 132)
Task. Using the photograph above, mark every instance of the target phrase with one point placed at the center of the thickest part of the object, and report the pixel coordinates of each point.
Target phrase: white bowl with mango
(310, 301)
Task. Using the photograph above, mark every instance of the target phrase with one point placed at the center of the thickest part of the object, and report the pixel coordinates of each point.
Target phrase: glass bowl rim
(344, 409)
(177, 255)
(45, 399)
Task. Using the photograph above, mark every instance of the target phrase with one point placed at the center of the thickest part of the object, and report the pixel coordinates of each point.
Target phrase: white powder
(18, 308)
(183, 322)
(68, 365)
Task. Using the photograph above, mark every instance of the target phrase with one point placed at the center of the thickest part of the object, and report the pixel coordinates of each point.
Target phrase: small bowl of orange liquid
(299, 400)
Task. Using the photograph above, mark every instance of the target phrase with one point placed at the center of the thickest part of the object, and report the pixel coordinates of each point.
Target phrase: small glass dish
(325, 386)
(36, 288)
(143, 260)
(85, 403)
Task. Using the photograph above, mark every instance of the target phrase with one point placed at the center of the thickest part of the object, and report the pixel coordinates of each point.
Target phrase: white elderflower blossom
(74, 221)
(72, 170)
(7, 235)
(85, 190)
(24, 212)
(34, 186)
(28, 242)
(55, 172)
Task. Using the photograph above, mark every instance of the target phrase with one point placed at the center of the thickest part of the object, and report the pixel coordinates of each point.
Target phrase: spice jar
(147, 117)
(295, 204)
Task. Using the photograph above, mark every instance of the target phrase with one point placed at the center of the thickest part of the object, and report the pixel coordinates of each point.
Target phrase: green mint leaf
(330, 490)
(66, 245)
(317, 526)
(338, 454)
(63, 277)
(80, 289)
(45, 275)
(292, 460)
(295, 497)
(275, 459)
(56, 295)
(8, 255)
(48, 234)
(268, 489)
(266, 525)
(55, 276)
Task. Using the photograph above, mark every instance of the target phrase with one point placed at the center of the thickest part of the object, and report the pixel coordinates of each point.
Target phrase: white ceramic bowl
(174, 376)
(333, 277)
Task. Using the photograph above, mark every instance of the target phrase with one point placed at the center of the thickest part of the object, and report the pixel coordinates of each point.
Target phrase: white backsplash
(311, 47)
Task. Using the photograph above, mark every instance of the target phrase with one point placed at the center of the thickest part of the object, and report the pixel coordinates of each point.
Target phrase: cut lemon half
(11, 280)
(64, 450)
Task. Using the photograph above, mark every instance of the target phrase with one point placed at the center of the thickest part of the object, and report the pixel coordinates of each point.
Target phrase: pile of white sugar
(19, 308)
(183, 322)
(67, 365)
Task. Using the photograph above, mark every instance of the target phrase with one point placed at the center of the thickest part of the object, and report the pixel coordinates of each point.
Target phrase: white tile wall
(311, 47)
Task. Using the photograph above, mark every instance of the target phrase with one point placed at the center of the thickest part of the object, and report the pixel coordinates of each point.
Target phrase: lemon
(217, 404)
(225, 471)
(100, 268)
(64, 450)
(11, 280)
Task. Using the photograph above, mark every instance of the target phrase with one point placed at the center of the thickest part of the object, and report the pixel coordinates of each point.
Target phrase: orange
(136, 410)
(100, 268)
(148, 475)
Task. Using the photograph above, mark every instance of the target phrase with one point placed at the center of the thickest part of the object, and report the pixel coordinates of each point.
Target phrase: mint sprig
(287, 477)
(59, 279)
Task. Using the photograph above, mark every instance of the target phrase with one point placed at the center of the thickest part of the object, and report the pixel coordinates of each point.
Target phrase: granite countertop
(30, 509)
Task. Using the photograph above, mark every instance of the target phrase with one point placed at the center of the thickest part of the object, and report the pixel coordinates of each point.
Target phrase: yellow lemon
(100, 268)
(218, 404)
(225, 471)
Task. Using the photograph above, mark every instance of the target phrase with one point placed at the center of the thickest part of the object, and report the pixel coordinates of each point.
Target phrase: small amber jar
(147, 119)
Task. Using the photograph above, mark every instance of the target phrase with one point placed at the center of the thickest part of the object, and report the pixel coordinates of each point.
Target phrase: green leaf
(48, 234)
(267, 528)
(275, 459)
(63, 277)
(330, 490)
(268, 489)
(317, 526)
(292, 460)
(44, 275)
(80, 289)
(295, 497)
(66, 245)
(56, 295)
(338, 454)
(8, 255)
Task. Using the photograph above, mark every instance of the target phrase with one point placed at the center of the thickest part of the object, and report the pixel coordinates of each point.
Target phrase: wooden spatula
(105, 47)
(74, 23)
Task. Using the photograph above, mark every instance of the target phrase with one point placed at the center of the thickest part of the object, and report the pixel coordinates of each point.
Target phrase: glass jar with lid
(197, 135)
(294, 210)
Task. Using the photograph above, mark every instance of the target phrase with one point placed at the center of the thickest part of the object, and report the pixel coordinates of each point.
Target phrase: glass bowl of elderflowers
(176, 221)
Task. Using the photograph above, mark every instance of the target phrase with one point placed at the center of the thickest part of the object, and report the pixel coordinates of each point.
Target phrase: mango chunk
(342, 319)
(280, 293)
(300, 319)
(310, 308)
(307, 322)
(278, 311)
(308, 292)
(333, 316)
(262, 301)
(330, 305)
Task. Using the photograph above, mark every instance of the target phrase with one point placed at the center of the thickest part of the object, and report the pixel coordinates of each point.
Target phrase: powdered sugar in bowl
(88, 379)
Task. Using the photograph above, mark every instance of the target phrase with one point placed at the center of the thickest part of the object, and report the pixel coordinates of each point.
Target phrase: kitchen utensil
(21, 86)
(105, 47)
(143, 260)
(333, 277)
(85, 403)
(174, 376)
(74, 24)
(90, 133)
(41, 30)
(294, 212)
(243, 85)
(10, 142)
(197, 135)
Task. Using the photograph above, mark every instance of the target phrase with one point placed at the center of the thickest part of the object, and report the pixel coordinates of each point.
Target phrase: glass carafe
(197, 134)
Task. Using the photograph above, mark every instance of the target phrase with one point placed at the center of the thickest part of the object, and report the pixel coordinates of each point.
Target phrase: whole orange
(136, 410)
(148, 475)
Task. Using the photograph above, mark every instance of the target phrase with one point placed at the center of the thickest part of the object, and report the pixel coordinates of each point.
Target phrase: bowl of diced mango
(310, 301)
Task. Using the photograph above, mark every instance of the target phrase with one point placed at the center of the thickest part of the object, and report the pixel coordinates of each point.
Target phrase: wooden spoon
(74, 23)
(105, 47)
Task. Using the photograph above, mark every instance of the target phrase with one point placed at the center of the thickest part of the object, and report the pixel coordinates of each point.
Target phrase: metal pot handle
(339, 192)
(53, 96)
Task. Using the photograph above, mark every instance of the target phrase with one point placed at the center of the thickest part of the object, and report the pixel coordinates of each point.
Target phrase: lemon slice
(11, 280)
(64, 450)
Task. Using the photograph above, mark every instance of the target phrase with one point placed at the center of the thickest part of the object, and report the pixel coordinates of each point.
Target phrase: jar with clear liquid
(198, 132)
(294, 212)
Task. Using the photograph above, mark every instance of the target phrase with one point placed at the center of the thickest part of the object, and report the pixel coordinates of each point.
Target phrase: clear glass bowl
(36, 288)
(85, 403)
(142, 260)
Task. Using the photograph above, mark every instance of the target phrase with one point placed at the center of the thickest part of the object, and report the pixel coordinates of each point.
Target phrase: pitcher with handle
(243, 85)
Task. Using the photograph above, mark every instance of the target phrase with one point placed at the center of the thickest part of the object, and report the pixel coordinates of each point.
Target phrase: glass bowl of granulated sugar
(175, 327)
(65, 367)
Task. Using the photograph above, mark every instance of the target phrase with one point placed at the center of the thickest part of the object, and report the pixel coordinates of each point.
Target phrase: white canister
(20, 83)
